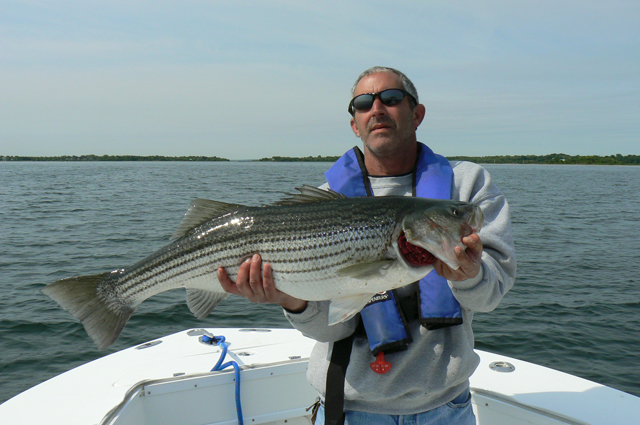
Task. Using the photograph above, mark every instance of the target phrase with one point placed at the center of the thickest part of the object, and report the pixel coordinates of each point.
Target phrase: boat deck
(168, 381)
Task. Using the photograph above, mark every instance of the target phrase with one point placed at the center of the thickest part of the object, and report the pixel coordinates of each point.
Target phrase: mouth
(378, 124)
(379, 127)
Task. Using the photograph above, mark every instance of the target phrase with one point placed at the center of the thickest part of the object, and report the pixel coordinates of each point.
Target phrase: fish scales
(321, 246)
(281, 239)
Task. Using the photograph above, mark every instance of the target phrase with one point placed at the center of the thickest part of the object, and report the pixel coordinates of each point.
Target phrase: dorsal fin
(309, 194)
(200, 211)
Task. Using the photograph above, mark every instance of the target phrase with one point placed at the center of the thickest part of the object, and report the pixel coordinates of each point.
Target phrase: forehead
(377, 82)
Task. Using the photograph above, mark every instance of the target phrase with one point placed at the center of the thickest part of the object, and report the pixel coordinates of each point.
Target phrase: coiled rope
(220, 341)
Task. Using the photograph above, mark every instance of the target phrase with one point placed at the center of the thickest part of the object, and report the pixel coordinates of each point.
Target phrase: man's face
(385, 130)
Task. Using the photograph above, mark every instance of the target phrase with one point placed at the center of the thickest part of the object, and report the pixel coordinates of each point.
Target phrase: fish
(321, 246)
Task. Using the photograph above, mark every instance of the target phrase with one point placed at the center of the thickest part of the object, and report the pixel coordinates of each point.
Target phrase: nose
(378, 108)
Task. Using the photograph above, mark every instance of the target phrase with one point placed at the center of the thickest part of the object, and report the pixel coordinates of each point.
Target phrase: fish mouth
(414, 255)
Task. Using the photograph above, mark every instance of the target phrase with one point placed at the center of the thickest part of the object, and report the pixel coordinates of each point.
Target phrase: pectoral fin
(366, 270)
(342, 309)
(201, 302)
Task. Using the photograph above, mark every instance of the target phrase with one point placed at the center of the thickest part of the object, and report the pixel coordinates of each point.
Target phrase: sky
(252, 79)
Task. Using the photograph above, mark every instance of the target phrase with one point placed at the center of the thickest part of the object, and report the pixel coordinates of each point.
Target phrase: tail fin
(102, 320)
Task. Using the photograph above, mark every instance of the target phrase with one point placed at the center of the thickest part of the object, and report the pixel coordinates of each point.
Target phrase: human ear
(354, 127)
(418, 115)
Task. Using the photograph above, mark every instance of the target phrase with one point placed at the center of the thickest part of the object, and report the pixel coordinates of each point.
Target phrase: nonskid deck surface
(168, 381)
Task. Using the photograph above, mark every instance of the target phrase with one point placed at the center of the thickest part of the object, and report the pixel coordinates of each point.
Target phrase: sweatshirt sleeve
(473, 183)
(313, 323)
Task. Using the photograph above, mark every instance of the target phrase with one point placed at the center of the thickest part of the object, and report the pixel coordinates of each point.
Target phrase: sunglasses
(389, 97)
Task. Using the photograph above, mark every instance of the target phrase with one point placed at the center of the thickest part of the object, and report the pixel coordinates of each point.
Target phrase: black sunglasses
(389, 97)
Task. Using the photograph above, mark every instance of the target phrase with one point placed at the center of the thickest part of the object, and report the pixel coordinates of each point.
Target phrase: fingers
(470, 260)
(448, 273)
(249, 280)
(473, 244)
(273, 295)
(468, 267)
(268, 285)
(254, 291)
(227, 284)
(257, 285)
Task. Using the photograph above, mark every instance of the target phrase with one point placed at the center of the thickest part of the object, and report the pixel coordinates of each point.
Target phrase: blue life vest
(383, 318)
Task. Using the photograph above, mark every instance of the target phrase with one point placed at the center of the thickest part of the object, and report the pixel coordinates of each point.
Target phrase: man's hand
(469, 259)
(256, 285)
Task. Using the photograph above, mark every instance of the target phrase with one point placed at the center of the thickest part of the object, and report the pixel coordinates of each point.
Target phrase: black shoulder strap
(363, 168)
(334, 398)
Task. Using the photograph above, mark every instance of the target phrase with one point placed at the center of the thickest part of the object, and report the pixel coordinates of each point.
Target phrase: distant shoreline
(109, 158)
(499, 159)
(554, 158)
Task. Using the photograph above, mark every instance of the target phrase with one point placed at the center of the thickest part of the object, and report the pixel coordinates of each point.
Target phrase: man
(428, 381)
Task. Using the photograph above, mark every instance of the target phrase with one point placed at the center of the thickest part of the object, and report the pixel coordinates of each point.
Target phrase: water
(575, 306)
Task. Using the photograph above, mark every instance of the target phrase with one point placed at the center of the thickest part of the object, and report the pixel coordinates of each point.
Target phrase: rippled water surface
(575, 306)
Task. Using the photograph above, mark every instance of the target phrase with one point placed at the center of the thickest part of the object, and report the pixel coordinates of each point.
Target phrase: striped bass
(321, 245)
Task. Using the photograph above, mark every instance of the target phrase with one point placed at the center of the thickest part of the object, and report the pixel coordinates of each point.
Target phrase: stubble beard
(390, 142)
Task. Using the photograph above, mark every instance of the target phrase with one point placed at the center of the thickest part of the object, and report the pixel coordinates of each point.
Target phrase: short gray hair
(407, 85)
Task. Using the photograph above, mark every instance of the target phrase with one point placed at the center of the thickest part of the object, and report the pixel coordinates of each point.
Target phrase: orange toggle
(380, 366)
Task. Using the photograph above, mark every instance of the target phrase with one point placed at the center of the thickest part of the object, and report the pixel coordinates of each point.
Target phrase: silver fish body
(321, 246)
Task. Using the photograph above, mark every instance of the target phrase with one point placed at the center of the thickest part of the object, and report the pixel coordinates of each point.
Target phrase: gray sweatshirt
(438, 363)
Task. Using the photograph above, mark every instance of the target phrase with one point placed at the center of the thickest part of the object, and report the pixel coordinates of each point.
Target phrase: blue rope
(220, 341)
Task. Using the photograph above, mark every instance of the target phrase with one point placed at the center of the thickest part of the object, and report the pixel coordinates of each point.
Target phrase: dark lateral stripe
(187, 255)
(283, 244)
(304, 264)
(181, 268)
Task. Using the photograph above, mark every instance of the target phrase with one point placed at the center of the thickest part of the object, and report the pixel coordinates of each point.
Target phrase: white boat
(169, 381)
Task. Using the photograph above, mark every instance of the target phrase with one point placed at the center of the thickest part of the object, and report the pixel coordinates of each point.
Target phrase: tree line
(113, 158)
(554, 158)
(300, 159)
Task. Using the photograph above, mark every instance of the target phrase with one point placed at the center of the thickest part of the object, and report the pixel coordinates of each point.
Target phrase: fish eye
(456, 212)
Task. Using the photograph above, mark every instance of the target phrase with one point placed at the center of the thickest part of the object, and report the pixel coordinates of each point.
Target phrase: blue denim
(457, 412)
